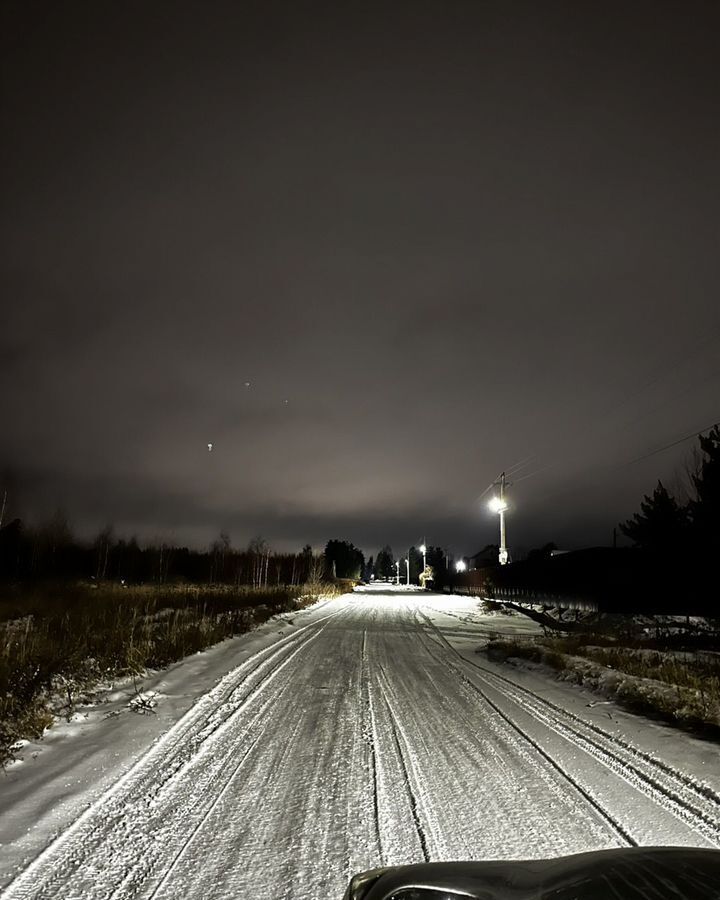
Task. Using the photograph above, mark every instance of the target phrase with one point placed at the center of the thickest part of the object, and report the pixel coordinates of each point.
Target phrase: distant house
(488, 556)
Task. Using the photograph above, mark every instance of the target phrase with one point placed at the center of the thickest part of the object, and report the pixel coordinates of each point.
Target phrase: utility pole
(503, 548)
(498, 505)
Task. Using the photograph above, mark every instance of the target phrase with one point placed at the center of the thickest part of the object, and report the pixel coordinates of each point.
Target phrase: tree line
(51, 550)
(687, 528)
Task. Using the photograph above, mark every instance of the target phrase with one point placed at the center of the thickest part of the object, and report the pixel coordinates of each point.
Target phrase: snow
(76, 762)
(363, 731)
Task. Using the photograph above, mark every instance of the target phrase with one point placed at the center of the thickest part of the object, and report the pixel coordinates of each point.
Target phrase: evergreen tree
(344, 560)
(416, 564)
(704, 509)
(661, 525)
(385, 563)
(369, 569)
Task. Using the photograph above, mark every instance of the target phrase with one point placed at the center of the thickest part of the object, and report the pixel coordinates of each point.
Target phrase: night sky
(436, 239)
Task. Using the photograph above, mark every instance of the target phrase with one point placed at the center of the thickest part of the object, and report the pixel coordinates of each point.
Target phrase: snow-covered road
(366, 737)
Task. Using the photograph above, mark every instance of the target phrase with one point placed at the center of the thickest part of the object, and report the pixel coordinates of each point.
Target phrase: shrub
(58, 641)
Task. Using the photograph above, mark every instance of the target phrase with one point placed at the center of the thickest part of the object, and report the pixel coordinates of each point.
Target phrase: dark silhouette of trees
(661, 524)
(103, 545)
(385, 563)
(704, 508)
(344, 560)
(665, 526)
(219, 556)
(437, 560)
(416, 564)
(369, 570)
(50, 551)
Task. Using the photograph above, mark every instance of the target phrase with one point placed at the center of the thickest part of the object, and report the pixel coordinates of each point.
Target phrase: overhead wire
(671, 444)
(516, 467)
(536, 472)
(488, 488)
(661, 373)
(520, 465)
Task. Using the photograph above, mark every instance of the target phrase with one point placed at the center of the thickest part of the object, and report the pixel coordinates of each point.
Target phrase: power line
(520, 465)
(662, 372)
(488, 488)
(672, 444)
(536, 472)
(514, 468)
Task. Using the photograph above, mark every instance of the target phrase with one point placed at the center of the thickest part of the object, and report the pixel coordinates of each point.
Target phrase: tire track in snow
(603, 814)
(370, 735)
(118, 827)
(697, 806)
(481, 788)
(405, 767)
(207, 792)
(684, 801)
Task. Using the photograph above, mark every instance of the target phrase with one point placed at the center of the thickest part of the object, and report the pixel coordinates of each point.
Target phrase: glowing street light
(460, 565)
(498, 505)
(423, 550)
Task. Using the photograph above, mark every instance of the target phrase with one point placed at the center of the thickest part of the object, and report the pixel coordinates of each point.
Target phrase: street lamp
(460, 565)
(498, 505)
(423, 550)
(407, 568)
(397, 568)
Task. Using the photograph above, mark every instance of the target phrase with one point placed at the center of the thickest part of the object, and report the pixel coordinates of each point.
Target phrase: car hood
(637, 873)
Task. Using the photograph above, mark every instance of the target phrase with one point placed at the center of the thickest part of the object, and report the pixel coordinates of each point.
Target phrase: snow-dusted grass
(58, 641)
(649, 675)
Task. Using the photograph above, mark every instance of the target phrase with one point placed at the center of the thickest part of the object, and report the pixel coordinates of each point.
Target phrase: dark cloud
(450, 236)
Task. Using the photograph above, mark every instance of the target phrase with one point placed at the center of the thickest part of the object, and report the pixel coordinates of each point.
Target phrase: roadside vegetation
(660, 666)
(59, 641)
(76, 615)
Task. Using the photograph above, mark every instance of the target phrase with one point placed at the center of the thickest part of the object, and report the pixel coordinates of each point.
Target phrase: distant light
(460, 565)
(210, 446)
(497, 505)
(423, 548)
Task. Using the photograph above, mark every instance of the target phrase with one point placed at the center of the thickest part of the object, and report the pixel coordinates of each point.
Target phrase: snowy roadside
(467, 629)
(60, 775)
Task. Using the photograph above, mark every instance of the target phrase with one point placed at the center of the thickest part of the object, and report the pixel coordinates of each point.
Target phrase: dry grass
(680, 686)
(58, 641)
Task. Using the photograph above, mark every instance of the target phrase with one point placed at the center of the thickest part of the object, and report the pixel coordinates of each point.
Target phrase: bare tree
(317, 573)
(103, 544)
(219, 552)
(259, 552)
